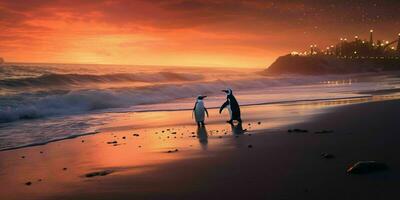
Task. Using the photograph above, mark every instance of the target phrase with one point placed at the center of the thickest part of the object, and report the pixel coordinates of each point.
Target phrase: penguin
(199, 110)
(232, 105)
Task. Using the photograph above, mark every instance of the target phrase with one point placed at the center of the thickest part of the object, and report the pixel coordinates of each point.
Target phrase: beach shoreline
(264, 161)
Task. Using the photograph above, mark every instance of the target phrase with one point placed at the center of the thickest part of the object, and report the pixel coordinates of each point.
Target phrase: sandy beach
(170, 158)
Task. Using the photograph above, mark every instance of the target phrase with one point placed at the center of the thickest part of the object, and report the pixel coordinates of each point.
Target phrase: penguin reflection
(203, 136)
(237, 129)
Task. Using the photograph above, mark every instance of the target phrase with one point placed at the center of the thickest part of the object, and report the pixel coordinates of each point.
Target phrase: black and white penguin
(200, 110)
(232, 105)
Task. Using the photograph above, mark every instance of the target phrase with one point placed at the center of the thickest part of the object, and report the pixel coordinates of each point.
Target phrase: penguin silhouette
(199, 110)
(232, 105)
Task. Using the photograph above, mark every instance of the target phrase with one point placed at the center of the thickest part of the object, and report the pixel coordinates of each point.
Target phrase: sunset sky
(178, 32)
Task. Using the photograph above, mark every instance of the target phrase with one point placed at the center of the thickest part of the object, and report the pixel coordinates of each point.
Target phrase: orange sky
(177, 32)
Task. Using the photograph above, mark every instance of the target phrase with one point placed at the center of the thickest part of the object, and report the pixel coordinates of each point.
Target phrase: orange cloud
(177, 32)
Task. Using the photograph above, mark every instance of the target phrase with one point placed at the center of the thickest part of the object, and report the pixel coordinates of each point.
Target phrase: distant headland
(346, 56)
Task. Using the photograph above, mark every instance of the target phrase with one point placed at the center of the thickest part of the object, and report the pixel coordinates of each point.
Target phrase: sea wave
(53, 79)
(66, 102)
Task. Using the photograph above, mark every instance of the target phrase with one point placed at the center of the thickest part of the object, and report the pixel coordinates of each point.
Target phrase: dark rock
(170, 151)
(364, 167)
(135, 134)
(258, 123)
(297, 130)
(174, 133)
(99, 173)
(28, 183)
(220, 137)
(124, 137)
(250, 146)
(64, 168)
(327, 155)
(41, 152)
(22, 156)
(323, 132)
(112, 142)
(83, 141)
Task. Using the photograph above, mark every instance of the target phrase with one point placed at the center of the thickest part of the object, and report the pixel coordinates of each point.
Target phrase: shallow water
(46, 102)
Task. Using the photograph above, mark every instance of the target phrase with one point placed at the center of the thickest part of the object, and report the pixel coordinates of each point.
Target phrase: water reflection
(237, 129)
(203, 136)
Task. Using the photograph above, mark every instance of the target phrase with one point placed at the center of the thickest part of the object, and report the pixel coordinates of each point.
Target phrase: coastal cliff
(313, 65)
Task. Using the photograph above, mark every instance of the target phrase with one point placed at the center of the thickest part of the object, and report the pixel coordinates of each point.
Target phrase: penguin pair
(231, 104)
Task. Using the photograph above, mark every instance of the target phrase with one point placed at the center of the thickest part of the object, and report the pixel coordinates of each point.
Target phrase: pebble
(250, 146)
(364, 167)
(99, 173)
(28, 183)
(327, 155)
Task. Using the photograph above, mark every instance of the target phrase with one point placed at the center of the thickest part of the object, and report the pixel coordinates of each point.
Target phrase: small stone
(124, 137)
(135, 134)
(258, 123)
(220, 137)
(41, 152)
(140, 146)
(327, 156)
(99, 173)
(250, 146)
(28, 183)
(364, 167)
(112, 142)
(174, 133)
(22, 156)
(64, 168)
(83, 141)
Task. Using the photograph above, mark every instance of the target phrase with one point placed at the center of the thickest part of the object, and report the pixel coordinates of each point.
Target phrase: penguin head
(200, 97)
(227, 91)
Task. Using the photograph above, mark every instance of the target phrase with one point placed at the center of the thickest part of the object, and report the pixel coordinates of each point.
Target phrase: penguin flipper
(223, 106)
(194, 109)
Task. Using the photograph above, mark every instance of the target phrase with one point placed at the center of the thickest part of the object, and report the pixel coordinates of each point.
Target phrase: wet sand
(172, 159)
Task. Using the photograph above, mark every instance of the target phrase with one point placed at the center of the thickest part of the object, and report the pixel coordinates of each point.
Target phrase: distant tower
(398, 44)
(371, 40)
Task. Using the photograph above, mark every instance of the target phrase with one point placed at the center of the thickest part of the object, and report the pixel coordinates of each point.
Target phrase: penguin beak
(204, 97)
(226, 91)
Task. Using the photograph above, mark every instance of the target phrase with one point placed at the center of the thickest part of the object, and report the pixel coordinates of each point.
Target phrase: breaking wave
(66, 102)
(77, 79)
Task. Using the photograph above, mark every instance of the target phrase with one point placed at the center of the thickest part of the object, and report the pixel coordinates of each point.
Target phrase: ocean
(40, 103)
